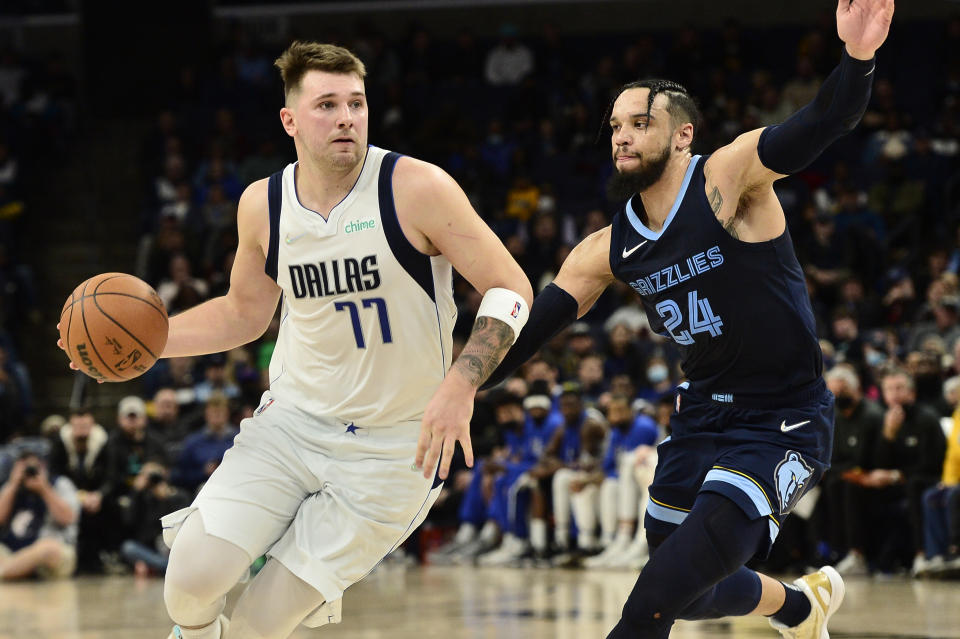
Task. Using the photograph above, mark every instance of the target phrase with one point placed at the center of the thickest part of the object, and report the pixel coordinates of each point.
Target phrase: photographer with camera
(151, 498)
(38, 522)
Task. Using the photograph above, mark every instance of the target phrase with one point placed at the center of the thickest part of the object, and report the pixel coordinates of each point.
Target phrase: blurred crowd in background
(517, 120)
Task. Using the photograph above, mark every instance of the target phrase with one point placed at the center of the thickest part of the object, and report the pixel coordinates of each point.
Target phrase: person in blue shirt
(627, 472)
(203, 451)
(515, 496)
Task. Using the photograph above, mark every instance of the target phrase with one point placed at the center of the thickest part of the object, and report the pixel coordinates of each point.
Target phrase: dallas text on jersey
(335, 277)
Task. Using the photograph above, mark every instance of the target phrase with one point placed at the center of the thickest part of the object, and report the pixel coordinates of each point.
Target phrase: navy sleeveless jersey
(738, 311)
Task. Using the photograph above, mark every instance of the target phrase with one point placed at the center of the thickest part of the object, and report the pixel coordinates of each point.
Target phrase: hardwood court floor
(471, 603)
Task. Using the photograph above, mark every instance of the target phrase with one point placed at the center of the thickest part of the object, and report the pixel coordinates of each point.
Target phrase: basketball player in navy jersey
(703, 241)
(358, 243)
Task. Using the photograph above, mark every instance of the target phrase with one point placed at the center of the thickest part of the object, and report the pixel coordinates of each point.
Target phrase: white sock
(489, 531)
(538, 534)
(211, 631)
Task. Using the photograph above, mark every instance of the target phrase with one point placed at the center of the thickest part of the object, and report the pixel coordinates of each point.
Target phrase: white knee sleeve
(276, 602)
(201, 571)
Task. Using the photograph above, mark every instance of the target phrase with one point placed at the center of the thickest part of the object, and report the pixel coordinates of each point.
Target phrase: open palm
(863, 25)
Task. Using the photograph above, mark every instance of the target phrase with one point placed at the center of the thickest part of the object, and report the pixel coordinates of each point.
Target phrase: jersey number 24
(701, 317)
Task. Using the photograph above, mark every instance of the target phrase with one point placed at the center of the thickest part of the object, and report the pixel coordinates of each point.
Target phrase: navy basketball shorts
(764, 459)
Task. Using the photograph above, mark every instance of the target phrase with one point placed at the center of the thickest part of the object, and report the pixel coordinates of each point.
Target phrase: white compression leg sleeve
(202, 570)
(274, 604)
(561, 505)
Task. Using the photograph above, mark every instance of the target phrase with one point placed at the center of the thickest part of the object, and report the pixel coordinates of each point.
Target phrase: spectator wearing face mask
(857, 425)
(658, 380)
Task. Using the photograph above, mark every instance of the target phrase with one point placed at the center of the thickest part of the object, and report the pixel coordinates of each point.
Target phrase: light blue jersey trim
(662, 513)
(749, 488)
(774, 531)
(641, 228)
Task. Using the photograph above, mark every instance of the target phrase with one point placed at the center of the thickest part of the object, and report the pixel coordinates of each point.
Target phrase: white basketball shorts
(328, 499)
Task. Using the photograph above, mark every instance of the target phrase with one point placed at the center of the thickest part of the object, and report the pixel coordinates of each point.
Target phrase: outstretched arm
(243, 314)
(582, 278)
(762, 156)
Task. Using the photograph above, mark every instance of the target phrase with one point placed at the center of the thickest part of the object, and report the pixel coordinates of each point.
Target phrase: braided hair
(681, 106)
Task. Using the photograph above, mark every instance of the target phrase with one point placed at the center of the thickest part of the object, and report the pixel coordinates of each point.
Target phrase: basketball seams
(158, 309)
(136, 297)
(119, 325)
(128, 286)
(90, 338)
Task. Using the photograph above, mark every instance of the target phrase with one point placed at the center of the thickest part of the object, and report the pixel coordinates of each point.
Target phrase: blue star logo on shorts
(352, 429)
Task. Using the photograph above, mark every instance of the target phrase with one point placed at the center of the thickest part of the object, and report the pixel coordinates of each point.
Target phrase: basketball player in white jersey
(358, 244)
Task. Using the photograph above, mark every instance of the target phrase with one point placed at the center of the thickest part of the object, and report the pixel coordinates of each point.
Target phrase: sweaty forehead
(634, 101)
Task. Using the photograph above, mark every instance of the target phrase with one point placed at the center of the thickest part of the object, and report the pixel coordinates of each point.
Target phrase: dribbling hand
(863, 25)
(446, 421)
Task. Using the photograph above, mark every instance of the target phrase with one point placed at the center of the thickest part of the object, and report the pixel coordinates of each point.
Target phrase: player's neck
(658, 199)
(320, 188)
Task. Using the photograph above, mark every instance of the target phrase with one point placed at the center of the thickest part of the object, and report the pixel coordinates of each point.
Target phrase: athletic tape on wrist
(507, 306)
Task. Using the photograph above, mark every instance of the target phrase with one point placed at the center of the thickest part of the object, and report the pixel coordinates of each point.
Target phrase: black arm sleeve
(553, 310)
(793, 145)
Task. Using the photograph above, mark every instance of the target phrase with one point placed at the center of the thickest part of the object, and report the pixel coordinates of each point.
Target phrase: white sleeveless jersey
(366, 325)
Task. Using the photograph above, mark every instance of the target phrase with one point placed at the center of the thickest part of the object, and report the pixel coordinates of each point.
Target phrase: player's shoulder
(597, 244)
(256, 192)
(422, 179)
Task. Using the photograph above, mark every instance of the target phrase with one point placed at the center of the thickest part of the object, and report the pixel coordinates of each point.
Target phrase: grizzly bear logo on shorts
(791, 477)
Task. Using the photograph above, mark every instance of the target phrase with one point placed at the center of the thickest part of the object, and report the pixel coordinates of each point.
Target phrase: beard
(623, 184)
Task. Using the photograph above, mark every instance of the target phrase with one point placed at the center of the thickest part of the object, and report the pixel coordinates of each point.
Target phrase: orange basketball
(114, 327)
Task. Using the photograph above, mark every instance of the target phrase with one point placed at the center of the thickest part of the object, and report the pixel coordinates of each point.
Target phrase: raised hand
(863, 25)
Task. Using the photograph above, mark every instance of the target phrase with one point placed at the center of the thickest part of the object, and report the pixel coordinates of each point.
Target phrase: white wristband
(507, 306)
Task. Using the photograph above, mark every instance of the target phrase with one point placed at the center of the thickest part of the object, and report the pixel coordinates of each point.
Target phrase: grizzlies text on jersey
(738, 311)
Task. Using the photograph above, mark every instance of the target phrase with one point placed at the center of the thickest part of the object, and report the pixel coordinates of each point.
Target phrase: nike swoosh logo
(627, 253)
(786, 429)
(291, 240)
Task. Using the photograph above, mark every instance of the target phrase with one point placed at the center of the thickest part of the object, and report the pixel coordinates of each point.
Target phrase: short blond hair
(301, 57)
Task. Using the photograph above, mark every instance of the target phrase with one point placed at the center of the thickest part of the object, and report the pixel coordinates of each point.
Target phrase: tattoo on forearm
(488, 343)
(716, 200)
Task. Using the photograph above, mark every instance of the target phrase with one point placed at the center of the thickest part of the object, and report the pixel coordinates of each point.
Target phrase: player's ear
(288, 121)
(683, 137)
